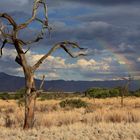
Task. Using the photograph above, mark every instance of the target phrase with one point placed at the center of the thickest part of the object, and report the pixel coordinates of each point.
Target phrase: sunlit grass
(105, 115)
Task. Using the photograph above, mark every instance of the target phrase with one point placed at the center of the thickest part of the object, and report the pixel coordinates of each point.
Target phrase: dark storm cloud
(115, 26)
(8, 64)
(126, 49)
(116, 22)
(106, 2)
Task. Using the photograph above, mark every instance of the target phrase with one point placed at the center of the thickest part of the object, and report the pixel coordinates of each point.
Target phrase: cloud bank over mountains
(111, 28)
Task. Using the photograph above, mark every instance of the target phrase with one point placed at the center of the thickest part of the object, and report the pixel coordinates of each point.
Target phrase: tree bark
(30, 93)
(122, 100)
(122, 96)
(30, 102)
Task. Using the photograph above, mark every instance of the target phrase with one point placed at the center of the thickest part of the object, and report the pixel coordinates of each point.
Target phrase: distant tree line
(91, 93)
(112, 92)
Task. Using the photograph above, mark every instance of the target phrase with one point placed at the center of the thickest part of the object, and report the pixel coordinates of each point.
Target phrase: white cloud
(138, 59)
(55, 67)
(92, 65)
(122, 62)
(8, 54)
(52, 75)
(85, 63)
(52, 64)
(108, 59)
(48, 76)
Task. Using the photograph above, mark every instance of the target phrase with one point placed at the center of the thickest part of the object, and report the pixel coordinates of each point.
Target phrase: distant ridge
(12, 83)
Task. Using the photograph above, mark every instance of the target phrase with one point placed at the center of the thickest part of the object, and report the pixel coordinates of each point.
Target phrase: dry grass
(77, 131)
(103, 119)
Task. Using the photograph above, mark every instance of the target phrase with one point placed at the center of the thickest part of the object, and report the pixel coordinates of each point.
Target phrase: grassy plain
(102, 119)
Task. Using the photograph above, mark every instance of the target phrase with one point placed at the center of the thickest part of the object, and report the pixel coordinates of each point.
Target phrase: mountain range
(9, 83)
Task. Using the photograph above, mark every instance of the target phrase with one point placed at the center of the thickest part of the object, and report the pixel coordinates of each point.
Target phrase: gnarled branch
(42, 83)
(18, 60)
(41, 86)
(3, 44)
(10, 19)
(3, 34)
(34, 13)
(13, 36)
(38, 38)
(64, 46)
(45, 25)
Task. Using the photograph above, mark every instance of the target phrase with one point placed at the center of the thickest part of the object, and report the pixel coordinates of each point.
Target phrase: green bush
(102, 92)
(49, 96)
(114, 92)
(73, 103)
(4, 96)
(58, 96)
(12, 96)
(19, 94)
(136, 93)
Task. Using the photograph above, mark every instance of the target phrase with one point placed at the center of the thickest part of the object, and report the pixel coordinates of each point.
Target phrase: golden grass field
(103, 119)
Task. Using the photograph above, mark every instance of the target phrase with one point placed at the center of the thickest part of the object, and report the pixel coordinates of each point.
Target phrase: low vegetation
(50, 113)
(109, 92)
(90, 93)
(73, 103)
(78, 131)
(73, 117)
(102, 92)
(57, 95)
(13, 96)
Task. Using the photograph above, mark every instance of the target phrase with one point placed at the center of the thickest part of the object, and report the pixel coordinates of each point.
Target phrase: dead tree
(125, 89)
(10, 35)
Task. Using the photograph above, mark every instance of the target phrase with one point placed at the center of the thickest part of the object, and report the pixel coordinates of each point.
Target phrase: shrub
(74, 103)
(137, 93)
(19, 94)
(114, 92)
(102, 92)
(21, 102)
(8, 121)
(57, 95)
(4, 96)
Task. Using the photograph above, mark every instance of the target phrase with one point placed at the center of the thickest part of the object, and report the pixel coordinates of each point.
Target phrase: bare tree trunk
(30, 102)
(122, 96)
(122, 100)
(29, 111)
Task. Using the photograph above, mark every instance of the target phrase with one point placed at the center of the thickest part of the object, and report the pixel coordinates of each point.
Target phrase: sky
(109, 29)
